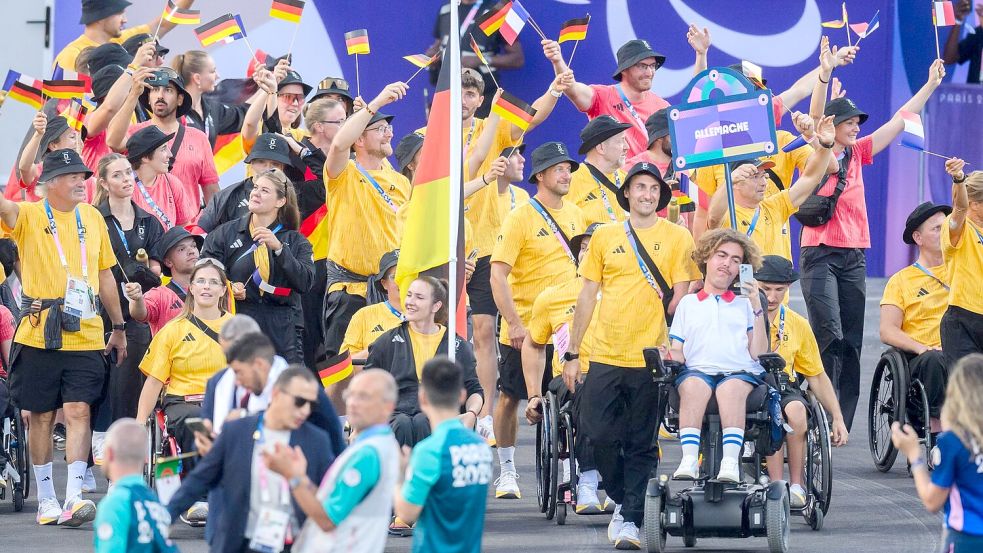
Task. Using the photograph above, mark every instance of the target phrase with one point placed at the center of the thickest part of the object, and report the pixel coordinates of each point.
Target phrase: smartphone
(747, 274)
(196, 424)
(473, 255)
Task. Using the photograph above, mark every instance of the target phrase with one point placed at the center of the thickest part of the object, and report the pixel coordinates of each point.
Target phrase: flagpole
(250, 46)
(159, 22)
(358, 81)
(575, 44)
(935, 33)
(925, 151)
(292, 40)
(846, 24)
(536, 26)
(521, 136)
(485, 62)
(416, 73)
(454, 190)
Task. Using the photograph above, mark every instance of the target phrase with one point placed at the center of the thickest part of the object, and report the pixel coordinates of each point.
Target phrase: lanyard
(258, 280)
(754, 221)
(641, 264)
(923, 269)
(260, 438)
(394, 311)
(122, 236)
(153, 205)
(781, 327)
(556, 231)
(61, 252)
(375, 185)
(511, 197)
(255, 245)
(604, 196)
(631, 109)
(978, 235)
(467, 141)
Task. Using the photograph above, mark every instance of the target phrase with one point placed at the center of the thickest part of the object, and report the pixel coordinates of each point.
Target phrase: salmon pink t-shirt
(848, 228)
(607, 101)
(170, 202)
(194, 165)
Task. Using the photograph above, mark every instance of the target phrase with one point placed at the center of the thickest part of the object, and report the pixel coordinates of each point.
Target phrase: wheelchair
(896, 396)
(160, 444)
(711, 508)
(15, 466)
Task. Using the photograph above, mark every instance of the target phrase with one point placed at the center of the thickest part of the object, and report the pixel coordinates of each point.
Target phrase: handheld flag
(799, 142)
(838, 23)
(335, 369)
(287, 10)
(914, 133)
(864, 30)
(181, 16)
(574, 29)
(23, 89)
(357, 42)
(514, 110)
(420, 60)
(224, 29)
(482, 59)
(514, 22)
(63, 89)
(493, 19)
(75, 114)
(943, 15)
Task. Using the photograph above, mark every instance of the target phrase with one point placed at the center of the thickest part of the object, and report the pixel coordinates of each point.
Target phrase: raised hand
(827, 57)
(40, 123)
(955, 167)
(551, 49)
(845, 55)
(936, 72)
(393, 92)
(836, 89)
(826, 132)
(804, 124)
(698, 39)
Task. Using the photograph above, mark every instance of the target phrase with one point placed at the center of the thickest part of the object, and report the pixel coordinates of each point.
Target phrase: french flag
(864, 30)
(515, 20)
(943, 15)
(914, 133)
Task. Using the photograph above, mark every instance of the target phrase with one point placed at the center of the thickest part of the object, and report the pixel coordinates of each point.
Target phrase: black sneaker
(58, 436)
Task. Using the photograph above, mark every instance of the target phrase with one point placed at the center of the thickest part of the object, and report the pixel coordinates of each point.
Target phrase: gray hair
(127, 439)
(238, 326)
(389, 390)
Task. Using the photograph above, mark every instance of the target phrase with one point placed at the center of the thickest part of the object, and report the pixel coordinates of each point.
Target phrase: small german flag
(180, 16)
(492, 20)
(514, 110)
(477, 50)
(23, 89)
(287, 10)
(574, 29)
(420, 60)
(221, 29)
(63, 89)
(335, 369)
(357, 41)
(75, 114)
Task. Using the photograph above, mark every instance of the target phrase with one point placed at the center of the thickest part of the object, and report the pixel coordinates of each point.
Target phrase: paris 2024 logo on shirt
(471, 465)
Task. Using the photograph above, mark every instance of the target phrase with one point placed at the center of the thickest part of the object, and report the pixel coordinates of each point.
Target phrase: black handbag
(817, 210)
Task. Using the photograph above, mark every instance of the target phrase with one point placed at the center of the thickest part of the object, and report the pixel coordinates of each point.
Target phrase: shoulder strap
(649, 262)
(177, 290)
(775, 179)
(602, 178)
(176, 146)
(840, 175)
(556, 226)
(203, 327)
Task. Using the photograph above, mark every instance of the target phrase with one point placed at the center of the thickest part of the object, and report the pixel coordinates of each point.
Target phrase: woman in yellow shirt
(962, 250)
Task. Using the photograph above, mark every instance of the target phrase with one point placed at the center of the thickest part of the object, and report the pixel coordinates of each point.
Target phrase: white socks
(46, 485)
(733, 441)
(506, 456)
(689, 439)
(76, 475)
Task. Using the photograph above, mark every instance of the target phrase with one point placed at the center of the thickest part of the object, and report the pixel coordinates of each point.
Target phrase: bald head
(370, 398)
(126, 447)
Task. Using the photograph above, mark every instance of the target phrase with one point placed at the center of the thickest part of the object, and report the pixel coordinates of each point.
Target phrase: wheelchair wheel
(819, 451)
(566, 452)
(777, 523)
(540, 468)
(921, 420)
(689, 539)
(888, 394)
(544, 466)
(554, 457)
(18, 498)
(655, 532)
(22, 457)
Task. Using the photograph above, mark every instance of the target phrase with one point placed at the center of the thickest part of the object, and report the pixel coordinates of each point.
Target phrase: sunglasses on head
(209, 261)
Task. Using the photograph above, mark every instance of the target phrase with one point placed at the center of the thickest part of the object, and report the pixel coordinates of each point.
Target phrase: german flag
(180, 16)
(574, 29)
(63, 89)
(420, 60)
(492, 20)
(514, 110)
(335, 369)
(357, 41)
(477, 50)
(23, 89)
(287, 10)
(75, 114)
(221, 29)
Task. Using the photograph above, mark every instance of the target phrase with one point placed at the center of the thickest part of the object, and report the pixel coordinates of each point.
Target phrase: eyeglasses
(332, 82)
(291, 98)
(212, 282)
(647, 66)
(300, 402)
(209, 261)
(381, 129)
(332, 122)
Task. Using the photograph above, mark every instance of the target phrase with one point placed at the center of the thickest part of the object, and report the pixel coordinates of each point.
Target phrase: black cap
(921, 214)
(108, 54)
(633, 52)
(104, 79)
(272, 147)
(171, 238)
(842, 109)
(62, 162)
(334, 85)
(408, 146)
(577, 241)
(293, 77)
(657, 125)
(162, 77)
(132, 44)
(388, 261)
(665, 191)
(95, 10)
(379, 116)
(57, 125)
(145, 141)
(776, 269)
(548, 155)
(598, 130)
(507, 152)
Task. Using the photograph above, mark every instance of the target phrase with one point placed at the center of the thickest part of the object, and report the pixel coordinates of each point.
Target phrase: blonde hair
(316, 111)
(102, 170)
(962, 412)
(974, 186)
(223, 302)
(289, 214)
(712, 240)
(189, 63)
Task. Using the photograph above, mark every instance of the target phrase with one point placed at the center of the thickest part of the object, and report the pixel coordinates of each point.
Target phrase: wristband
(759, 312)
(555, 93)
(119, 326)
(369, 109)
(918, 462)
(822, 81)
(537, 396)
(825, 145)
(484, 180)
(473, 412)
(959, 181)
(296, 481)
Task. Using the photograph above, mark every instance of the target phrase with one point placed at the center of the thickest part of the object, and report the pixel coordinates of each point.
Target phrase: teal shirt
(356, 478)
(448, 476)
(131, 519)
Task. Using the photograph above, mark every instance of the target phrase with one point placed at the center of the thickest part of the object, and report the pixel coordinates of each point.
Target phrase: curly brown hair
(962, 411)
(712, 240)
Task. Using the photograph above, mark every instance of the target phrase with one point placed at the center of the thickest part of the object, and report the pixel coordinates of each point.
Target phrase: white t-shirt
(277, 493)
(714, 332)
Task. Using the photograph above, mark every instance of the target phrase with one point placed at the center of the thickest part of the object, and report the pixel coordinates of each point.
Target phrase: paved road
(871, 511)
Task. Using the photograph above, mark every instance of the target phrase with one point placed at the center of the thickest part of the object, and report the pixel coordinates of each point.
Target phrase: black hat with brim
(62, 162)
(108, 54)
(842, 109)
(578, 241)
(633, 52)
(272, 147)
(407, 148)
(145, 141)
(293, 77)
(96, 10)
(172, 238)
(333, 85)
(598, 130)
(548, 155)
(777, 270)
(379, 116)
(163, 77)
(657, 125)
(917, 217)
(133, 44)
(507, 152)
(665, 191)
(103, 80)
(57, 125)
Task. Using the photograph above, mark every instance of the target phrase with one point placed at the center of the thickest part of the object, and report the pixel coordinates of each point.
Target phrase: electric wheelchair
(895, 395)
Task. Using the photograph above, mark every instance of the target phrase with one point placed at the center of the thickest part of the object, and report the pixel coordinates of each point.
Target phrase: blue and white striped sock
(733, 441)
(689, 438)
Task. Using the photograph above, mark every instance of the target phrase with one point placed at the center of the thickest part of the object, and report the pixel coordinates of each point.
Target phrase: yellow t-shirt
(363, 223)
(424, 347)
(797, 345)
(69, 54)
(512, 198)
(537, 258)
(183, 357)
(553, 310)
(594, 198)
(922, 299)
(367, 324)
(481, 208)
(43, 276)
(771, 230)
(631, 317)
(966, 266)
(709, 178)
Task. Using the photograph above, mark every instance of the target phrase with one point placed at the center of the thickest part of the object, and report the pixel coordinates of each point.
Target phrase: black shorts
(339, 308)
(511, 381)
(791, 394)
(479, 289)
(42, 380)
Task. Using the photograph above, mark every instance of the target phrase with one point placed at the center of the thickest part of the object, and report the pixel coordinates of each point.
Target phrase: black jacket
(293, 268)
(145, 234)
(392, 352)
(217, 118)
(231, 202)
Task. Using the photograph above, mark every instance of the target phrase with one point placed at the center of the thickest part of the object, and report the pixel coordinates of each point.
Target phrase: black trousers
(126, 380)
(617, 415)
(962, 333)
(583, 451)
(279, 324)
(339, 307)
(409, 429)
(930, 369)
(313, 305)
(835, 288)
(177, 411)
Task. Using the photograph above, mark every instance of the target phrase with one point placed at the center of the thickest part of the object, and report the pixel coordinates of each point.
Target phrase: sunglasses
(209, 261)
(300, 402)
(331, 82)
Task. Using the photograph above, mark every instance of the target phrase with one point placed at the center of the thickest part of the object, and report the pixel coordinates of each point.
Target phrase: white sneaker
(507, 486)
(689, 468)
(197, 515)
(587, 500)
(796, 496)
(486, 430)
(614, 527)
(89, 482)
(628, 538)
(98, 440)
(48, 511)
(76, 512)
(729, 471)
(609, 504)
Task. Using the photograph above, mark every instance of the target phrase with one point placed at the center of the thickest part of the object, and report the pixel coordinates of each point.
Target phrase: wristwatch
(119, 326)
(296, 481)
(570, 356)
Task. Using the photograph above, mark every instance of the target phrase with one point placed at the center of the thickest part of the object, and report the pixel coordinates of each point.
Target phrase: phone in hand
(196, 424)
(473, 255)
(747, 274)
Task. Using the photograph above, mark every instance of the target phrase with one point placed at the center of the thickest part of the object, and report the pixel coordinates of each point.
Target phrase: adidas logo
(542, 233)
(619, 249)
(188, 338)
(378, 328)
(398, 338)
(590, 197)
(572, 309)
(46, 479)
(236, 244)
(178, 304)
(244, 202)
(922, 292)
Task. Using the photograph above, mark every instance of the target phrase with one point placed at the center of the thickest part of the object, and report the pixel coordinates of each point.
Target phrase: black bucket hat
(272, 147)
(108, 54)
(293, 77)
(919, 216)
(665, 191)
(162, 77)
(334, 85)
(598, 130)
(657, 125)
(145, 141)
(577, 241)
(408, 146)
(507, 152)
(57, 125)
(95, 10)
(171, 238)
(842, 109)
(62, 162)
(633, 52)
(776, 269)
(132, 44)
(548, 155)
(103, 80)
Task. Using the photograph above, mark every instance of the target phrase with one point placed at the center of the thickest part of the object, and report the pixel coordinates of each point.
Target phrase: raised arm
(580, 94)
(252, 122)
(700, 42)
(960, 200)
(888, 132)
(950, 53)
(353, 127)
(827, 61)
(544, 104)
(804, 86)
(26, 170)
(817, 165)
(758, 339)
(9, 211)
(495, 170)
(718, 202)
(120, 123)
(165, 25)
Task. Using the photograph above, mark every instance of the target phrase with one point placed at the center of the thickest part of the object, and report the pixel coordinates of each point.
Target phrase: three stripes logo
(542, 233)
(178, 304)
(571, 309)
(591, 196)
(378, 328)
(619, 249)
(188, 338)
(236, 244)
(922, 292)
